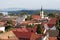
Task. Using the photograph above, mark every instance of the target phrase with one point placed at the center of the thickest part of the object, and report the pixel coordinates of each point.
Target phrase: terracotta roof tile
(2, 23)
(35, 36)
(52, 21)
(52, 38)
(23, 32)
(27, 22)
(36, 16)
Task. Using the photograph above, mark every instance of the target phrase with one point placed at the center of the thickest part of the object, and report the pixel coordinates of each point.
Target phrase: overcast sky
(30, 4)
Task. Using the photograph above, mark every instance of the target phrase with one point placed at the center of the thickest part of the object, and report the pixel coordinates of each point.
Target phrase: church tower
(42, 13)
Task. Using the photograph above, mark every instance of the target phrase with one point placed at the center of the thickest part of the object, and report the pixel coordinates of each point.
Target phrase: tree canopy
(1, 14)
(29, 26)
(8, 27)
(9, 22)
(28, 18)
(23, 13)
(39, 30)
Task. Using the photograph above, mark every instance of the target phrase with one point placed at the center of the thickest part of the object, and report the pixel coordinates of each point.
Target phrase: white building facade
(2, 29)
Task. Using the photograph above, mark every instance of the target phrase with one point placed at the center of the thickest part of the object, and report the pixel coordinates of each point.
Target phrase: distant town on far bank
(29, 11)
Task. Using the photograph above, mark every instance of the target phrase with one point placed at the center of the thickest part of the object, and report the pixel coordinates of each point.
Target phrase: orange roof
(35, 36)
(2, 23)
(52, 21)
(52, 38)
(25, 29)
(27, 22)
(24, 32)
(36, 16)
(21, 29)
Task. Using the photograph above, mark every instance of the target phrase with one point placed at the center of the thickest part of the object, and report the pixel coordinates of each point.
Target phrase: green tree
(58, 24)
(23, 13)
(8, 27)
(9, 22)
(28, 18)
(58, 21)
(12, 14)
(1, 14)
(29, 26)
(39, 30)
(52, 14)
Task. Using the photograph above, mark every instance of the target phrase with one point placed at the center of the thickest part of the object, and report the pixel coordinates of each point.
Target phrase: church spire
(41, 8)
(42, 13)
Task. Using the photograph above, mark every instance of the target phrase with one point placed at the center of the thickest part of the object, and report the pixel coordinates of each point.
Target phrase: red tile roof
(35, 36)
(53, 38)
(23, 32)
(50, 22)
(27, 22)
(36, 17)
(2, 23)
